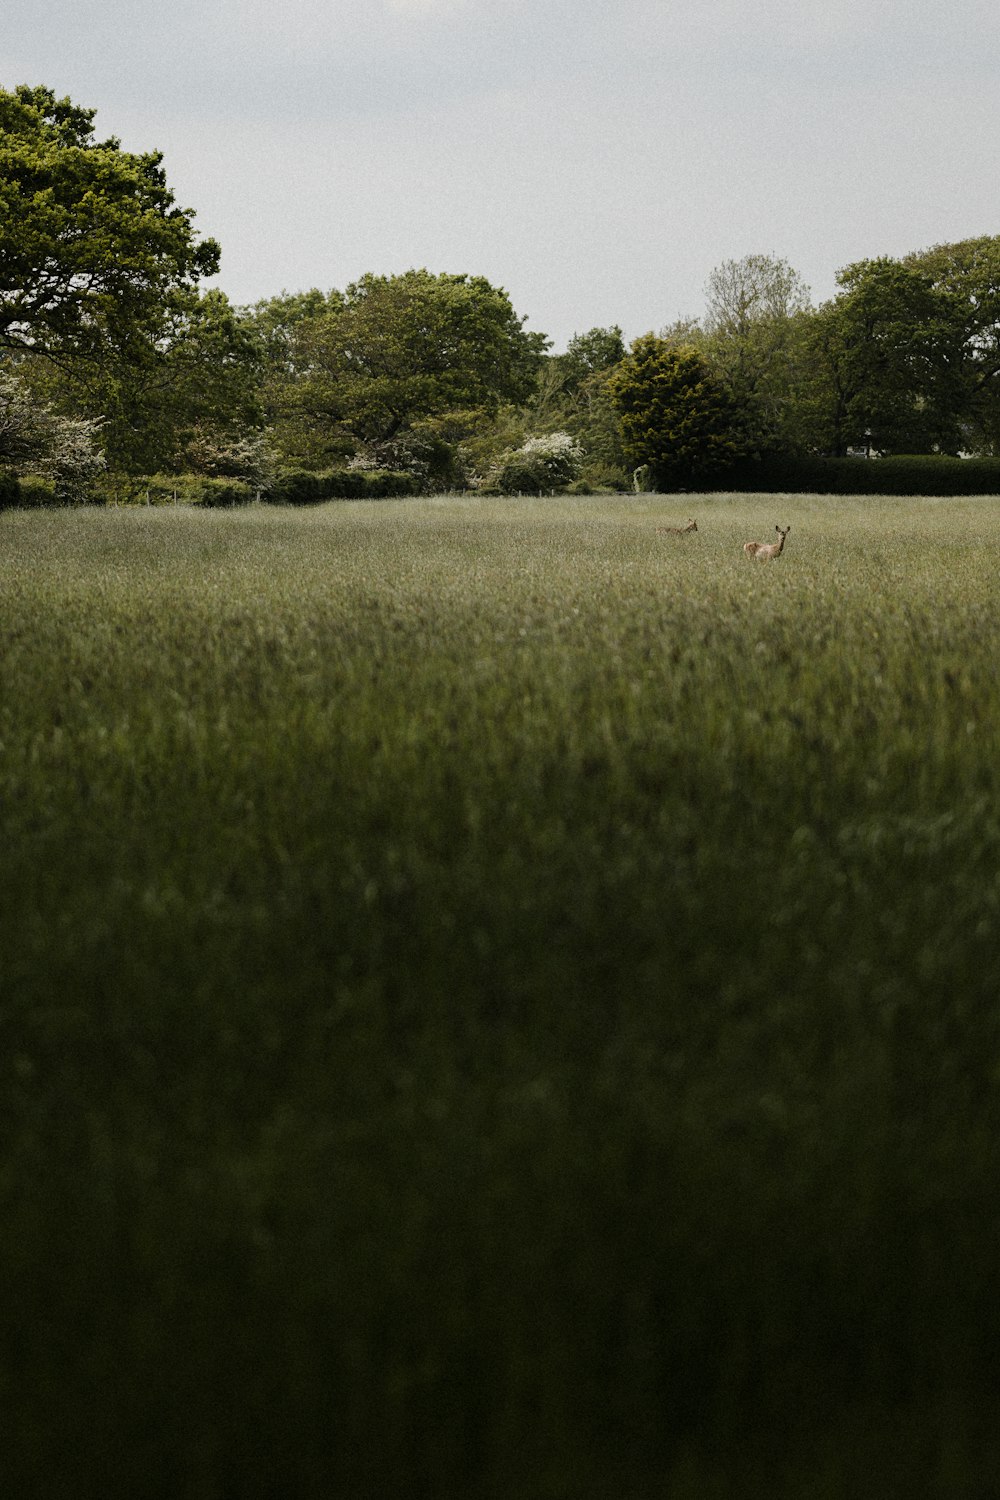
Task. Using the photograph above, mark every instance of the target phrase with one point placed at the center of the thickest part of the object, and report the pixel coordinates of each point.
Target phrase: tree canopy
(572, 395)
(676, 416)
(965, 278)
(104, 324)
(202, 377)
(904, 359)
(755, 311)
(92, 245)
(881, 345)
(371, 361)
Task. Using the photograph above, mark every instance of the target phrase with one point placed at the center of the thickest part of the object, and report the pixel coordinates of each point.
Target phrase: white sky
(596, 159)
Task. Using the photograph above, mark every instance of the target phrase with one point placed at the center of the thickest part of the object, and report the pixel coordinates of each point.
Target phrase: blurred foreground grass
(501, 1002)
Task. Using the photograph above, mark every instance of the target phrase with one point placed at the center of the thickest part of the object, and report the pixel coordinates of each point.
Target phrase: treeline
(123, 379)
(905, 359)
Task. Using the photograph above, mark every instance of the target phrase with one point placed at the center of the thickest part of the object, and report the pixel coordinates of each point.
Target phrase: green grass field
(499, 1003)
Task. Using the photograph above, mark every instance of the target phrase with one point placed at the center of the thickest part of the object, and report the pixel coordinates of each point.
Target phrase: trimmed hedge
(902, 474)
(10, 490)
(36, 491)
(303, 487)
(32, 492)
(294, 487)
(172, 489)
(28, 492)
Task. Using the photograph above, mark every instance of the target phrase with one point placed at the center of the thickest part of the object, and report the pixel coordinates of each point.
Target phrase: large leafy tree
(906, 357)
(886, 369)
(369, 363)
(100, 308)
(752, 339)
(676, 415)
(93, 248)
(592, 353)
(299, 402)
(909, 352)
(201, 378)
(965, 278)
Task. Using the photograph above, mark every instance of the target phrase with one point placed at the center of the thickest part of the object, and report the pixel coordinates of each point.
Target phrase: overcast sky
(596, 159)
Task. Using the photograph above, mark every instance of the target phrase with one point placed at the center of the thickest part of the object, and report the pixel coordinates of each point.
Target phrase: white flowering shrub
(434, 463)
(540, 466)
(73, 460)
(248, 457)
(35, 441)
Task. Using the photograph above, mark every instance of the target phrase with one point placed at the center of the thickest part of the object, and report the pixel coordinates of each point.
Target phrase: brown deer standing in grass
(679, 530)
(765, 551)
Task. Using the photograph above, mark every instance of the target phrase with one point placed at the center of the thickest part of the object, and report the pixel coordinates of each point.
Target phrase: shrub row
(293, 487)
(10, 489)
(28, 491)
(920, 474)
(902, 474)
(171, 489)
(303, 487)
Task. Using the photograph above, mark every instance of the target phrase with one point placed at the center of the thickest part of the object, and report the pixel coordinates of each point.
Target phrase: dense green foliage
(676, 416)
(10, 488)
(914, 346)
(173, 489)
(200, 386)
(372, 361)
(498, 1001)
(103, 321)
(101, 318)
(294, 487)
(305, 487)
(882, 346)
(904, 359)
(755, 310)
(92, 246)
(196, 388)
(966, 280)
(573, 394)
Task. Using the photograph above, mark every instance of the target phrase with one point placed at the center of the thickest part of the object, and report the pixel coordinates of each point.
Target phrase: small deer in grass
(679, 530)
(765, 551)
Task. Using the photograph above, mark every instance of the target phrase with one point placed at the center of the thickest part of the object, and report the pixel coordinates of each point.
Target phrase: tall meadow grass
(499, 1001)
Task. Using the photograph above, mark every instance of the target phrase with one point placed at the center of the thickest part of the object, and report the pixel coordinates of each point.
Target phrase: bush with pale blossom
(37, 443)
(541, 466)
